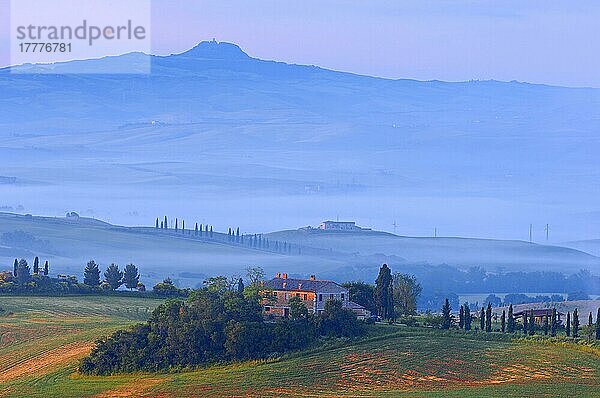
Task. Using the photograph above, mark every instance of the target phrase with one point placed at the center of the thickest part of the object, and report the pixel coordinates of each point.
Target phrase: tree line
(256, 241)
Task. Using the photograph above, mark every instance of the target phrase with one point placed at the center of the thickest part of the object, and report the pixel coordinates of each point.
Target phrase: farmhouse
(339, 226)
(539, 315)
(313, 293)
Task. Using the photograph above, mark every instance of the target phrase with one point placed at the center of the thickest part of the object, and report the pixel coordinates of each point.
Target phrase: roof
(353, 306)
(338, 222)
(537, 312)
(305, 285)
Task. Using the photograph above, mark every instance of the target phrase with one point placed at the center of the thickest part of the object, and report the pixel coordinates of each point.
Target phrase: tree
(590, 328)
(361, 293)
(36, 265)
(598, 325)
(488, 318)
(91, 274)
(298, 309)
(525, 323)
(482, 319)
(113, 276)
(46, 268)
(575, 324)
(240, 286)
(531, 327)
(446, 315)
(255, 275)
(156, 226)
(511, 320)
(468, 318)
(568, 327)
(165, 223)
(503, 321)
(553, 323)
(406, 291)
(23, 272)
(546, 325)
(196, 229)
(211, 231)
(131, 276)
(175, 224)
(461, 318)
(15, 268)
(384, 293)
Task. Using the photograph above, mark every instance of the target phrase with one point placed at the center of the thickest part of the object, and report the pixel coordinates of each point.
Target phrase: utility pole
(530, 233)
(547, 231)
(435, 232)
(394, 224)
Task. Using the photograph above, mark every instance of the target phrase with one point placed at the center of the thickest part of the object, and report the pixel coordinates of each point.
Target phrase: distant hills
(68, 243)
(213, 132)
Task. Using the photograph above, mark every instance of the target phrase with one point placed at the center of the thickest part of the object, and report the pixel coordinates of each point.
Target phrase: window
(305, 296)
(286, 296)
(342, 296)
(267, 309)
(297, 294)
(320, 297)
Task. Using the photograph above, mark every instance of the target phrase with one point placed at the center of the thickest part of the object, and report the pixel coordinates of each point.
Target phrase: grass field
(42, 341)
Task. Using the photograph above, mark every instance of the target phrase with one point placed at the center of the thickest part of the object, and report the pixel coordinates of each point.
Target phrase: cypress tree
(175, 224)
(36, 265)
(546, 325)
(237, 234)
(15, 268)
(461, 318)
(384, 294)
(568, 327)
(531, 324)
(468, 318)
(156, 226)
(511, 320)
(183, 226)
(525, 322)
(162, 226)
(590, 327)
(553, 323)
(196, 229)
(166, 225)
(575, 324)
(488, 318)
(211, 231)
(503, 321)
(240, 286)
(482, 319)
(46, 268)
(598, 325)
(446, 315)
(91, 274)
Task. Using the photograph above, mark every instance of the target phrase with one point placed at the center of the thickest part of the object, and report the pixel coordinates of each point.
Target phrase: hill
(68, 243)
(44, 338)
(216, 133)
(591, 246)
(493, 255)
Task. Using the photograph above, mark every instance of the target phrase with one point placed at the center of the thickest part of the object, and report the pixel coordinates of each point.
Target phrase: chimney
(299, 285)
(284, 276)
(312, 278)
(278, 275)
(284, 284)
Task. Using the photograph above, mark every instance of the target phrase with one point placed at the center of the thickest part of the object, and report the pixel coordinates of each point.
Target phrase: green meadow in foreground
(42, 340)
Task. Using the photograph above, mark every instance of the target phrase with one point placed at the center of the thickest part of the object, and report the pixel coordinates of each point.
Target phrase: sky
(552, 42)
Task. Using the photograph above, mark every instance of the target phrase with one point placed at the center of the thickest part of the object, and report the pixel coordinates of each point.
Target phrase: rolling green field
(43, 339)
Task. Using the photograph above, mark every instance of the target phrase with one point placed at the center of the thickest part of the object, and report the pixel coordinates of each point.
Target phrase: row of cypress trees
(507, 323)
